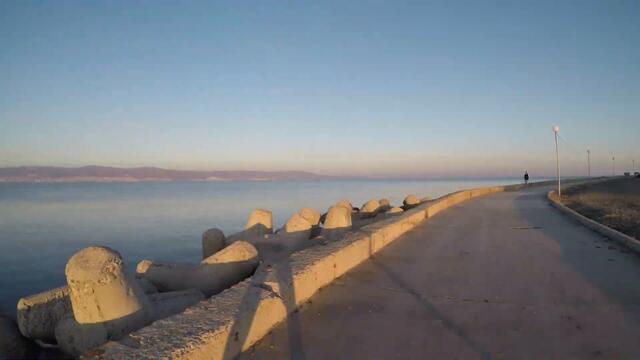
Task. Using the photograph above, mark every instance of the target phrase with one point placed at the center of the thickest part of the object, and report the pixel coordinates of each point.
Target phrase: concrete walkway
(500, 277)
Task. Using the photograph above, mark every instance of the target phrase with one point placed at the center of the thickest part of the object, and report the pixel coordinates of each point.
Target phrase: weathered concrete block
(458, 197)
(311, 269)
(436, 206)
(314, 218)
(385, 204)
(38, 314)
(410, 201)
(173, 302)
(370, 208)
(260, 222)
(297, 223)
(337, 223)
(147, 286)
(213, 240)
(295, 234)
(75, 338)
(214, 274)
(311, 215)
(353, 250)
(395, 210)
(345, 203)
(338, 217)
(102, 293)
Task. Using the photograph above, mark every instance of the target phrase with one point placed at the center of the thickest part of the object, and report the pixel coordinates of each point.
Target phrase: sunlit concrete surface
(504, 276)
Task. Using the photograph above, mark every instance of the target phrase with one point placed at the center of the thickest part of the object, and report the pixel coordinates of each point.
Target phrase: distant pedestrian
(526, 177)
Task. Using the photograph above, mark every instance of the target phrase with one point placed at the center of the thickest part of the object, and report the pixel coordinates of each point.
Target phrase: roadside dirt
(614, 203)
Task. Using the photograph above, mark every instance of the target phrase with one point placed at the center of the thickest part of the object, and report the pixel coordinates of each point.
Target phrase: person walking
(526, 177)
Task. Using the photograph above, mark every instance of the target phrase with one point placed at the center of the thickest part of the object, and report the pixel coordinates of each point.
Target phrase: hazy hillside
(105, 174)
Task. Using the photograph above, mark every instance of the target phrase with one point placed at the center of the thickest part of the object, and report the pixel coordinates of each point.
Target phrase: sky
(376, 88)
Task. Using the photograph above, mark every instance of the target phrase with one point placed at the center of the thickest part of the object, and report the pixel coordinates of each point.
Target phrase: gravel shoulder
(614, 203)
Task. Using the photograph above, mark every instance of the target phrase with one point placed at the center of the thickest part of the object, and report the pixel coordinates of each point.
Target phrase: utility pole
(589, 163)
(556, 129)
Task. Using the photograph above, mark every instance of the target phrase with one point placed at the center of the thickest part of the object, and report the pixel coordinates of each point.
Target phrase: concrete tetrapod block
(295, 233)
(385, 204)
(410, 201)
(38, 314)
(102, 294)
(311, 215)
(370, 209)
(213, 240)
(337, 223)
(75, 338)
(296, 224)
(147, 286)
(214, 274)
(395, 211)
(260, 222)
(346, 204)
(173, 302)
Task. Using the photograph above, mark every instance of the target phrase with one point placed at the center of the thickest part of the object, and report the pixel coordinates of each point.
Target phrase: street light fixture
(556, 129)
(613, 166)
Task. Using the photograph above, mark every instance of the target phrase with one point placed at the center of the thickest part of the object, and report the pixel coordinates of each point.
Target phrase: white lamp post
(556, 129)
(589, 163)
(613, 166)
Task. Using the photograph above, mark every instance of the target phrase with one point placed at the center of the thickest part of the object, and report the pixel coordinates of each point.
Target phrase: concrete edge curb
(228, 323)
(602, 229)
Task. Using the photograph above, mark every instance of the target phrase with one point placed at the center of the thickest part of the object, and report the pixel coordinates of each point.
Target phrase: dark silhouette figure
(526, 177)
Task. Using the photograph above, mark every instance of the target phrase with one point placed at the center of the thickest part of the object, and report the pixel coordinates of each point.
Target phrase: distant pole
(556, 129)
(634, 166)
(613, 166)
(589, 163)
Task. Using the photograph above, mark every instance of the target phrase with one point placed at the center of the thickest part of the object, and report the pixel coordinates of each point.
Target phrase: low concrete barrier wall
(226, 324)
(608, 232)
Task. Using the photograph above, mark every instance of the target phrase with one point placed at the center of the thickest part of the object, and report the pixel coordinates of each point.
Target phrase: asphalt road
(500, 277)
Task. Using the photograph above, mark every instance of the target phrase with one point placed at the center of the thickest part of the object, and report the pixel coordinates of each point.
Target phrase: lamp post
(556, 129)
(589, 163)
(613, 166)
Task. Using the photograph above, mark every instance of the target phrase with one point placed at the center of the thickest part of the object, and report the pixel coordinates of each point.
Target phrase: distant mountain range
(113, 174)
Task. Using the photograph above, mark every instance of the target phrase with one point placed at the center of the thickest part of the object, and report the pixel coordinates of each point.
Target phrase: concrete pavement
(500, 277)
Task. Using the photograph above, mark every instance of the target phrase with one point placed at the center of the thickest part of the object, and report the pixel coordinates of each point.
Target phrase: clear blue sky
(375, 88)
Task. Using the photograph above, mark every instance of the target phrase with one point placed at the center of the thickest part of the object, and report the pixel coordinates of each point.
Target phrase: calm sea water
(42, 225)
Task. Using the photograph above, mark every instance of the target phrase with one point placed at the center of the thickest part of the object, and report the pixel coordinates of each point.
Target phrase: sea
(43, 224)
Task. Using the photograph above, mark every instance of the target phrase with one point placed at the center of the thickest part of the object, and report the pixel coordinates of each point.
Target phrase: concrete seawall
(226, 324)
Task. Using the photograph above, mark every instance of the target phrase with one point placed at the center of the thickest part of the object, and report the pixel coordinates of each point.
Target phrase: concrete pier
(504, 276)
